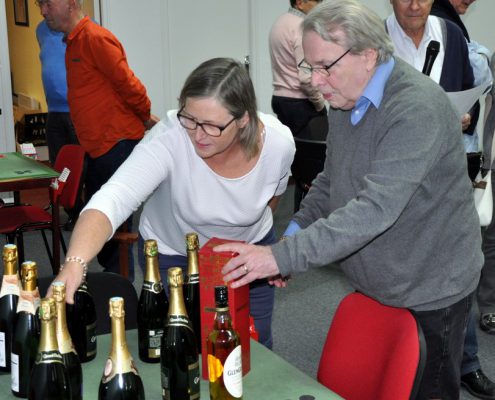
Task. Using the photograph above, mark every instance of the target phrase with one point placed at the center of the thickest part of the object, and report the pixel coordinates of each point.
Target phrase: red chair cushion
(15, 217)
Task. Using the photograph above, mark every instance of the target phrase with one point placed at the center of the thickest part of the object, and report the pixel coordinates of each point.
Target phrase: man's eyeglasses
(209, 129)
(323, 70)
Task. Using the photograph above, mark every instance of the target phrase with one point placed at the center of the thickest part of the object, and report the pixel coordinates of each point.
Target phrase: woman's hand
(72, 276)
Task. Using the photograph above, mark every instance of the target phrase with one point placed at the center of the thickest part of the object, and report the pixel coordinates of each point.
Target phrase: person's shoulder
(276, 130)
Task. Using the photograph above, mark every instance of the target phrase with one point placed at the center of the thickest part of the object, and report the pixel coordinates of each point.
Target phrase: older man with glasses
(379, 207)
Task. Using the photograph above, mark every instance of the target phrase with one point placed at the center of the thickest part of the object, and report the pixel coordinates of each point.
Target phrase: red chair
(17, 219)
(372, 351)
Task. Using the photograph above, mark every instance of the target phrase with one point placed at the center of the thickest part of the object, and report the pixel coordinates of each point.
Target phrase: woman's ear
(243, 121)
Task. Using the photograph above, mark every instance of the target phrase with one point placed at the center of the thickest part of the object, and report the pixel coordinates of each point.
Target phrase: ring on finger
(245, 269)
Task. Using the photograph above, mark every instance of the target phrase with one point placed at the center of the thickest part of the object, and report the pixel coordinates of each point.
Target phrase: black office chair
(103, 286)
(310, 155)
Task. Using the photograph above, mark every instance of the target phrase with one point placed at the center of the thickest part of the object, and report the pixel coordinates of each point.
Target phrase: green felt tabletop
(16, 166)
(270, 377)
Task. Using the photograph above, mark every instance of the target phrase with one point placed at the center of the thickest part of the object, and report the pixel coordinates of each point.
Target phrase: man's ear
(371, 55)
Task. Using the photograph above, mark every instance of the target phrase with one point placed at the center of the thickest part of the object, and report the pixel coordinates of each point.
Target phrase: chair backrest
(103, 286)
(372, 351)
(71, 156)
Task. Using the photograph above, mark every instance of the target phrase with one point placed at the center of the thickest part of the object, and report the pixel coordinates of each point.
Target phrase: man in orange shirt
(108, 104)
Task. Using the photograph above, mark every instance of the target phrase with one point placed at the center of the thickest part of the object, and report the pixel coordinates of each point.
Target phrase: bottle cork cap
(150, 248)
(192, 241)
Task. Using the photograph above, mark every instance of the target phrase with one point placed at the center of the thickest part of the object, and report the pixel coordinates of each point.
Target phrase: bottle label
(154, 342)
(14, 372)
(49, 357)
(194, 379)
(91, 339)
(154, 287)
(232, 372)
(178, 320)
(192, 279)
(3, 356)
(29, 301)
(10, 285)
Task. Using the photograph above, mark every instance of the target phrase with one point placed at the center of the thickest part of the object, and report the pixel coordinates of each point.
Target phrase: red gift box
(210, 275)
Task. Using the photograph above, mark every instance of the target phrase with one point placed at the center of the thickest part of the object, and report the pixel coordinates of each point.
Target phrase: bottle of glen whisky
(27, 330)
(224, 352)
(49, 377)
(9, 296)
(65, 345)
(192, 286)
(120, 378)
(152, 307)
(179, 354)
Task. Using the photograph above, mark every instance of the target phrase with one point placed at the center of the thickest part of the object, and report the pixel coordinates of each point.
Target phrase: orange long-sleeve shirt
(107, 101)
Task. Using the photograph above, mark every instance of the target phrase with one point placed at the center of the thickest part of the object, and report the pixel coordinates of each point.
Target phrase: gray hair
(362, 28)
(228, 81)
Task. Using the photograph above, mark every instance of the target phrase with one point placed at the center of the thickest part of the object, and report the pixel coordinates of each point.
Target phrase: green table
(270, 377)
(18, 172)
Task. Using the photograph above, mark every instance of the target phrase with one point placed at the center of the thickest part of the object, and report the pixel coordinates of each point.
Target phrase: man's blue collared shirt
(373, 92)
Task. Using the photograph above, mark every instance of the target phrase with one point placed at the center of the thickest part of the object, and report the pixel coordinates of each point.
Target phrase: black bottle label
(192, 279)
(49, 357)
(91, 339)
(154, 287)
(178, 320)
(194, 379)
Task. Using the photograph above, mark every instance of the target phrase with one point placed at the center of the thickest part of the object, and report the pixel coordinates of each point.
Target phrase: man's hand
(465, 121)
(252, 262)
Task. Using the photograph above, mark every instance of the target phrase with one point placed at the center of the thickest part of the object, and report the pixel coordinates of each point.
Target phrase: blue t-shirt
(53, 73)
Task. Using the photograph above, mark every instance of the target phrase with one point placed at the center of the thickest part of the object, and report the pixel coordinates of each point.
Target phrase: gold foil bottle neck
(47, 309)
(65, 344)
(116, 308)
(175, 277)
(175, 282)
(29, 274)
(9, 255)
(192, 241)
(48, 313)
(150, 248)
(152, 273)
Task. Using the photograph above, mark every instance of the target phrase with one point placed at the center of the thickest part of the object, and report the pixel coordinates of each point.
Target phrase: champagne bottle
(81, 320)
(27, 331)
(179, 355)
(152, 307)
(120, 378)
(192, 286)
(9, 296)
(65, 345)
(224, 352)
(49, 377)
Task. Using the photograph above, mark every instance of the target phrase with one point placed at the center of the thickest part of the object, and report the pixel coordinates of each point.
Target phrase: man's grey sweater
(394, 204)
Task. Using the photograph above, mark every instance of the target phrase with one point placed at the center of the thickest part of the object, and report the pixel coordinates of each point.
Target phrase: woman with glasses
(216, 167)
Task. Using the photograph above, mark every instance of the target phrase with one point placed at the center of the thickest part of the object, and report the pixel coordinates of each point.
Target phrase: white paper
(463, 101)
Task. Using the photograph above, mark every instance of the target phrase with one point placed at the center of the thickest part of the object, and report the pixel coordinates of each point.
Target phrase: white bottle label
(14, 373)
(10, 285)
(3, 357)
(232, 372)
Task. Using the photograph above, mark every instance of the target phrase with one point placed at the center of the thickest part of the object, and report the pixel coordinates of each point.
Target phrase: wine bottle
(65, 344)
(49, 377)
(179, 354)
(26, 332)
(9, 296)
(224, 352)
(152, 307)
(81, 320)
(192, 286)
(120, 378)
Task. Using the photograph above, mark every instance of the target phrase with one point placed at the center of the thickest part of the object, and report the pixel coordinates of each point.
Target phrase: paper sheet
(463, 101)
